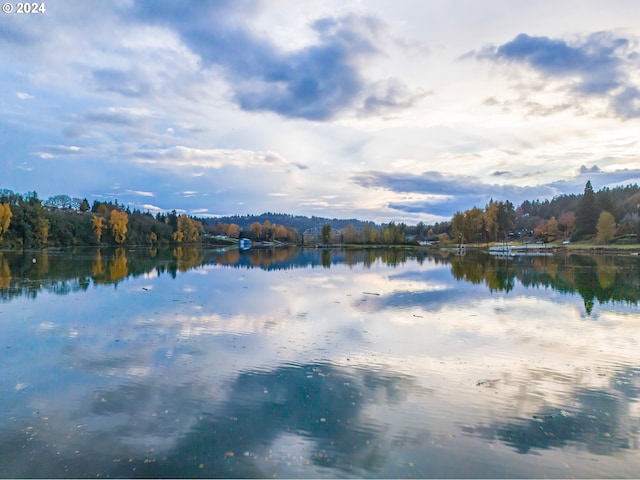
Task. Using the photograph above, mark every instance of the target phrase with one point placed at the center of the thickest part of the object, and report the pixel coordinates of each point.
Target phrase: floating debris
(543, 417)
(487, 382)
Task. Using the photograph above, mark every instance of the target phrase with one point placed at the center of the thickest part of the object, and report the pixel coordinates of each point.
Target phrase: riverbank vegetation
(609, 217)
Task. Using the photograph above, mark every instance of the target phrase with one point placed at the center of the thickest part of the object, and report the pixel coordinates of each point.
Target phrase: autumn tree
(97, 224)
(187, 230)
(491, 226)
(457, 225)
(567, 221)
(118, 221)
(350, 234)
(256, 230)
(267, 230)
(233, 230)
(473, 224)
(5, 218)
(369, 235)
(551, 228)
(605, 228)
(280, 232)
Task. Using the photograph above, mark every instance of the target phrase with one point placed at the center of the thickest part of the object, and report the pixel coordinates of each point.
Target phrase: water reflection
(301, 363)
(602, 420)
(597, 279)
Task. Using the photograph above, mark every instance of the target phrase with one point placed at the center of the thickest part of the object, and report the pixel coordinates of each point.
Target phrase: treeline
(604, 216)
(300, 223)
(28, 222)
(266, 231)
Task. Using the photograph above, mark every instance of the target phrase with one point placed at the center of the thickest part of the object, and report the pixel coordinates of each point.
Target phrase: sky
(379, 110)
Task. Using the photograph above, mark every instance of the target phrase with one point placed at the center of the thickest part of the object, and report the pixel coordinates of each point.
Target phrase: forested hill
(608, 214)
(299, 222)
(622, 202)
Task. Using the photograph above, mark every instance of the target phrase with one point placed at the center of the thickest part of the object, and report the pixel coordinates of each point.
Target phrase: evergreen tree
(587, 214)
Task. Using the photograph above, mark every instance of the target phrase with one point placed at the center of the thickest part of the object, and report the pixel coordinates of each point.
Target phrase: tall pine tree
(586, 214)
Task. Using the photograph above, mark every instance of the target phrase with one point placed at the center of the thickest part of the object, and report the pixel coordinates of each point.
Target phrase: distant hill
(299, 222)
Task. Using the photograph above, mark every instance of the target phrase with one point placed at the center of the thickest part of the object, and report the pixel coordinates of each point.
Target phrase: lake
(318, 363)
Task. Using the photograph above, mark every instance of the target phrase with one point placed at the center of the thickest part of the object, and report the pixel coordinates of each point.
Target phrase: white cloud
(139, 193)
(181, 156)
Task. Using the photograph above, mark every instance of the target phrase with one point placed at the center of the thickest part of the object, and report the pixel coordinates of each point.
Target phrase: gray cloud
(601, 63)
(126, 83)
(316, 82)
(461, 192)
(391, 95)
(585, 170)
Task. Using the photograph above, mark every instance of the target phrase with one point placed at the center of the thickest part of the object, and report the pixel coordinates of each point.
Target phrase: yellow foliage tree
(605, 228)
(188, 230)
(118, 221)
(5, 218)
(97, 223)
(491, 222)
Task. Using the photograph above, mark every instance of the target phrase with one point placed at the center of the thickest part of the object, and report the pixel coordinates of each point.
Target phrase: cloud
(585, 170)
(316, 82)
(181, 156)
(151, 208)
(122, 116)
(627, 102)
(596, 61)
(391, 95)
(450, 193)
(598, 65)
(52, 151)
(24, 96)
(435, 183)
(139, 193)
(126, 83)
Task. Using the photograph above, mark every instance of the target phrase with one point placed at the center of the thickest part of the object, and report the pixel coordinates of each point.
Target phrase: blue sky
(381, 110)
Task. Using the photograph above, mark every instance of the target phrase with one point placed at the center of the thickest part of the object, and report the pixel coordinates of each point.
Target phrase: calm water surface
(317, 363)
